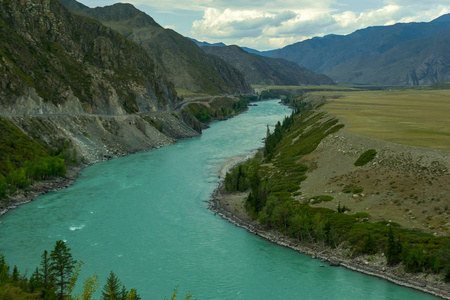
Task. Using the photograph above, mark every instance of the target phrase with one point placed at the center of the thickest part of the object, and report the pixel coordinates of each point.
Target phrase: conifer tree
(44, 272)
(4, 269)
(394, 249)
(369, 246)
(61, 267)
(35, 280)
(15, 274)
(111, 290)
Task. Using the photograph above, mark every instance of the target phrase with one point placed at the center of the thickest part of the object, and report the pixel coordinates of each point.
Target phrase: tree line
(55, 279)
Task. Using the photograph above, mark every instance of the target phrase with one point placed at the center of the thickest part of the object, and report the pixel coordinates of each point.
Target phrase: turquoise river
(146, 218)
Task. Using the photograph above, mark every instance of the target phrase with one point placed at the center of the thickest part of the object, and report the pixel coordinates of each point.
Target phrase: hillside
(400, 54)
(186, 65)
(265, 70)
(78, 63)
(76, 93)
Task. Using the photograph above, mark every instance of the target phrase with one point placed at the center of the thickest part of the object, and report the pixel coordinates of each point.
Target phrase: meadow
(408, 117)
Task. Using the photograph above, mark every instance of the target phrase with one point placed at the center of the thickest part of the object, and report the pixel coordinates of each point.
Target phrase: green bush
(351, 188)
(3, 187)
(365, 158)
(320, 198)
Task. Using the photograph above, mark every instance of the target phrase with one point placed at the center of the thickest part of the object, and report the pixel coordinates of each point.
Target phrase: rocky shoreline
(224, 205)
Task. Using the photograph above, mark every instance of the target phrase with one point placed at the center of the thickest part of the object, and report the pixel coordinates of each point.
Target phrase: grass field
(304, 87)
(410, 117)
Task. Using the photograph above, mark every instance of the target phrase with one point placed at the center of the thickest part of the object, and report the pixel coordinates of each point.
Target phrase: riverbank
(42, 187)
(231, 208)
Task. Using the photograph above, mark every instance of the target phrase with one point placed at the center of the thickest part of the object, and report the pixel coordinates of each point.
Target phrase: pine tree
(394, 249)
(44, 271)
(15, 274)
(111, 290)
(35, 280)
(369, 246)
(61, 267)
(4, 269)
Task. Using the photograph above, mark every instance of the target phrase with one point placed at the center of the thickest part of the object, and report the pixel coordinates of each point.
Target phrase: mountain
(186, 65)
(265, 70)
(206, 44)
(71, 86)
(402, 54)
(246, 49)
(78, 64)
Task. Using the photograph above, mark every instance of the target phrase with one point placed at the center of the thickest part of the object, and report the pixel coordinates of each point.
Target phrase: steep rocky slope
(187, 66)
(400, 54)
(265, 70)
(55, 58)
(67, 79)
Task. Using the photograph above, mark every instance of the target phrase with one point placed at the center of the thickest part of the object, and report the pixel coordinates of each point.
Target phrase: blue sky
(265, 25)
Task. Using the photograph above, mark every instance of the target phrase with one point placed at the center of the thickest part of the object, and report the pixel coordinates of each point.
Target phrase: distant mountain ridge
(399, 54)
(265, 70)
(206, 44)
(186, 65)
(246, 49)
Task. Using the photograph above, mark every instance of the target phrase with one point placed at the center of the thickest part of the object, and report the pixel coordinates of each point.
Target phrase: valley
(402, 187)
(366, 150)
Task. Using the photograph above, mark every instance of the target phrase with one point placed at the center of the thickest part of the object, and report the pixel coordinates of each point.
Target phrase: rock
(334, 263)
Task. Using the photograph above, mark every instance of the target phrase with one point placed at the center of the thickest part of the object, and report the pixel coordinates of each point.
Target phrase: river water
(144, 217)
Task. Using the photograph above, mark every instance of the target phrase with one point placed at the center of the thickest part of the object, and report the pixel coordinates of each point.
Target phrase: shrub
(354, 189)
(320, 198)
(366, 157)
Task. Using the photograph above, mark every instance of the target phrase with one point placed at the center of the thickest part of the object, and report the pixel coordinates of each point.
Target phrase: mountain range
(262, 70)
(189, 68)
(400, 54)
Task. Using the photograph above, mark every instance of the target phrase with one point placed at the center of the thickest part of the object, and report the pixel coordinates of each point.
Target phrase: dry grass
(408, 117)
(189, 94)
(304, 87)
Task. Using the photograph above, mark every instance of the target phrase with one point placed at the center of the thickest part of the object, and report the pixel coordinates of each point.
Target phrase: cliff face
(54, 61)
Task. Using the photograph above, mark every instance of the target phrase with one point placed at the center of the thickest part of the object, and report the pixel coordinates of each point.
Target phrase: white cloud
(266, 30)
(238, 23)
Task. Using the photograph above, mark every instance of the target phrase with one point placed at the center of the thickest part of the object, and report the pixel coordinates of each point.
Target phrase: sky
(266, 25)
